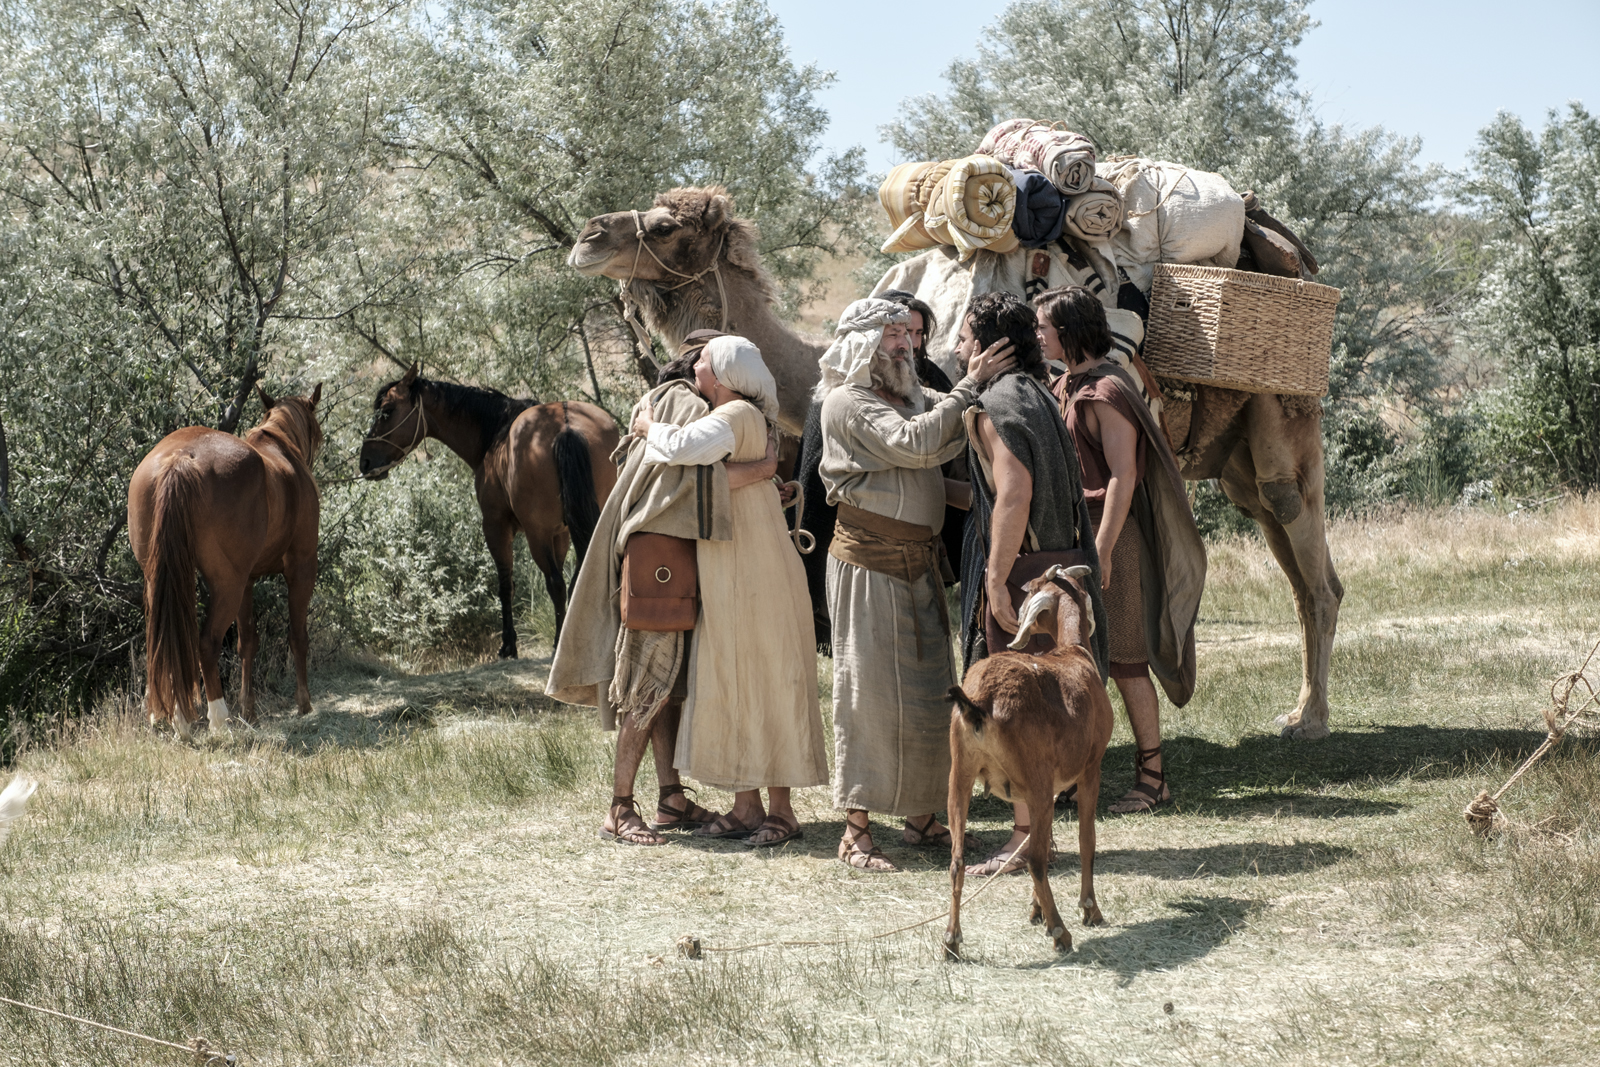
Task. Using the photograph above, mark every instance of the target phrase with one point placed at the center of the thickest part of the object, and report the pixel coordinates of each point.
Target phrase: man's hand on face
(996, 359)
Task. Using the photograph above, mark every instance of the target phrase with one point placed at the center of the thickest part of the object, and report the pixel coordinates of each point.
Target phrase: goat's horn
(1077, 570)
(1037, 605)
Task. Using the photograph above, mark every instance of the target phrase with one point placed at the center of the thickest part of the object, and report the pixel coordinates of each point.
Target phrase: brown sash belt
(901, 550)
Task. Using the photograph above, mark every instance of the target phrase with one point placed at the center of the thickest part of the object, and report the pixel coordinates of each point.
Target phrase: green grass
(411, 874)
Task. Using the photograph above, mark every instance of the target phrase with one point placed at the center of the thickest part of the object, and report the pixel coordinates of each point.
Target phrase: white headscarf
(738, 365)
(849, 359)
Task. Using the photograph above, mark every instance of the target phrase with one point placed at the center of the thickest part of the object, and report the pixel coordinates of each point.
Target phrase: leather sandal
(1145, 795)
(852, 855)
(779, 828)
(726, 826)
(918, 836)
(1002, 862)
(625, 834)
(689, 817)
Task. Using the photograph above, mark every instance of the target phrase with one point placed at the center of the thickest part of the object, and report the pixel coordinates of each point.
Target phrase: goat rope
(200, 1048)
(1483, 814)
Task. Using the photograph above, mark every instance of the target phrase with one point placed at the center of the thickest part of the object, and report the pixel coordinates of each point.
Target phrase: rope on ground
(691, 947)
(1483, 814)
(200, 1048)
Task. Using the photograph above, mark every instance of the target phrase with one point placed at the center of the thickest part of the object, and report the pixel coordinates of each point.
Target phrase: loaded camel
(687, 263)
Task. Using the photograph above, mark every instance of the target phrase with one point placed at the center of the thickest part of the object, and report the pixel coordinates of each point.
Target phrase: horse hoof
(507, 653)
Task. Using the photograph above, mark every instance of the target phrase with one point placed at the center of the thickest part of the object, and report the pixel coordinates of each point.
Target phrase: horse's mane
(492, 410)
(291, 423)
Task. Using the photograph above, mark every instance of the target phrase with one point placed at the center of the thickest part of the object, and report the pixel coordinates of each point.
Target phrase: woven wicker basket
(1240, 330)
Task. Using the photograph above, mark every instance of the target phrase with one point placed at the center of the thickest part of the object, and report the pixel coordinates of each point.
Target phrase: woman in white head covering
(751, 718)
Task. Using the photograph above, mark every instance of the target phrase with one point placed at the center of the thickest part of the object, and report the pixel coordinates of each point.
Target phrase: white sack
(1172, 214)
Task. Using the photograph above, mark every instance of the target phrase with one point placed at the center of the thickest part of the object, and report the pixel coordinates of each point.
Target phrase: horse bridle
(630, 308)
(422, 431)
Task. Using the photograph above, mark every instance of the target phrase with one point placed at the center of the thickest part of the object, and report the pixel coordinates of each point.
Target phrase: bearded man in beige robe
(884, 437)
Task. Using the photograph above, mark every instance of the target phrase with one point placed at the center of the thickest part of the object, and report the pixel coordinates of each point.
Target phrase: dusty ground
(411, 875)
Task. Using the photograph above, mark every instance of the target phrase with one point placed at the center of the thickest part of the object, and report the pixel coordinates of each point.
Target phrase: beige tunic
(751, 719)
(891, 719)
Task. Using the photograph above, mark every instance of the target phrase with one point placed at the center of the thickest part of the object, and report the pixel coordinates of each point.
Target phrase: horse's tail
(172, 632)
(575, 476)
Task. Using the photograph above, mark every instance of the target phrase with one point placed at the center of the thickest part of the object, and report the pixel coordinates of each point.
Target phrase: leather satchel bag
(660, 583)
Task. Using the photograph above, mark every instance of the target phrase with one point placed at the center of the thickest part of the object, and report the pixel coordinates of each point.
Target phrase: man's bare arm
(958, 494)
(757, 470)
(1013, 496)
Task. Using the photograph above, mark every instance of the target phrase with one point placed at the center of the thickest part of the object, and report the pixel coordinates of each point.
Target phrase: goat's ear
(1078, 570)
(1036, 613)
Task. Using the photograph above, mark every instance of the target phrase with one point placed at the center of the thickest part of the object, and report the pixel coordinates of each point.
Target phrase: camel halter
(416, 438)
(630, 308)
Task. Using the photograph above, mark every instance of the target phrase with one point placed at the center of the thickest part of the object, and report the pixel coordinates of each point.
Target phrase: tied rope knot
(1483, 814)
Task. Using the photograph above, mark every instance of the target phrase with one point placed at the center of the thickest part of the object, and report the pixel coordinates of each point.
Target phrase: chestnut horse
(542, 469)
(235, 510)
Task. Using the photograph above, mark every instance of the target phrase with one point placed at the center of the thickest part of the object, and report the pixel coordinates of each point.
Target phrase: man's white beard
(893, 377)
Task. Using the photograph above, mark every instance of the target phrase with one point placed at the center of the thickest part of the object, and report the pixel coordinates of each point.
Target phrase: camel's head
(681, 233)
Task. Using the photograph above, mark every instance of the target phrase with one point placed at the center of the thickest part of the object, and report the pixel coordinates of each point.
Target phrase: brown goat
(1030, 726)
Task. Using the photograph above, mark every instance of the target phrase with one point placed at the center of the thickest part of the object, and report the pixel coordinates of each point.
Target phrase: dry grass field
(412, 876)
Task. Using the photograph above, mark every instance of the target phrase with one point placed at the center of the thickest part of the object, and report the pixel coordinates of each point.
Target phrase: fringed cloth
(648, 664)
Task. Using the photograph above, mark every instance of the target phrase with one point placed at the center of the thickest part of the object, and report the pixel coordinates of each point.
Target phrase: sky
(1436, 69)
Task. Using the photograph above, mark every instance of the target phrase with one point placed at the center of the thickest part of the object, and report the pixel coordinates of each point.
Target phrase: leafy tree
(1191, 80)
(1538, 299)
(180, 180)
(533, 116)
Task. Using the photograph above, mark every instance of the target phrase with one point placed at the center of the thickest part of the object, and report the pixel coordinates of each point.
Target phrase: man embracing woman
(699, 465)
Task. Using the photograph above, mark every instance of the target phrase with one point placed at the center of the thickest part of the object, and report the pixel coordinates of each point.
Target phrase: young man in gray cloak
(637, 679)
(1028, 511)
(884, 437)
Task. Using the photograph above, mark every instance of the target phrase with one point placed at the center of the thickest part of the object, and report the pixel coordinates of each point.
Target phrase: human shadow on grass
(1201, 925)
(1266, 774)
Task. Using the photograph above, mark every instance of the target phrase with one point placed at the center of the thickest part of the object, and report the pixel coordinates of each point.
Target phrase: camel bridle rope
(405, 450)
(630, 306)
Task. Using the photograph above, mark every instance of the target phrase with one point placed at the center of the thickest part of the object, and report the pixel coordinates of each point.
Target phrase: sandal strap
(779, 822)
(623, 802)
(671, 790)
(1141, 766)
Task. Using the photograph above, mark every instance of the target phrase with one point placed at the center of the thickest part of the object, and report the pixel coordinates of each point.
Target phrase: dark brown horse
(235, 510)
(543, 469)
